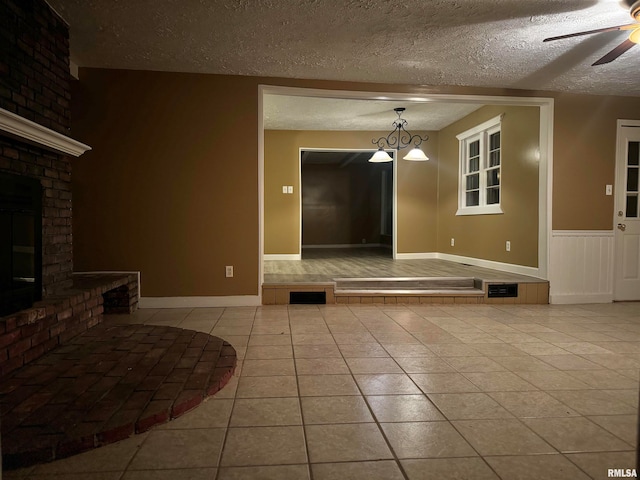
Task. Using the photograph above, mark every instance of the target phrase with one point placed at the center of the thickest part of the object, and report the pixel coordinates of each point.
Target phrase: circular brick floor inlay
(105, 385)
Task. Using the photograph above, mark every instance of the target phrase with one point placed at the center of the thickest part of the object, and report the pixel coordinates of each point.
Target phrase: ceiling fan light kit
(398, 139)
(632, 40)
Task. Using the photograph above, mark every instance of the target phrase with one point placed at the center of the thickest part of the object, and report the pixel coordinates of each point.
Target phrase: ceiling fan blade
(615, 53)
(629, 26)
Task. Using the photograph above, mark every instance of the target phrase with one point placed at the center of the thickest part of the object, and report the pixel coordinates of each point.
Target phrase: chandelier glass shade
(398, 139)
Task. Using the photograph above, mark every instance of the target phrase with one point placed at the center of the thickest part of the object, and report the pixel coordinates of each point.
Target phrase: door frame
(545, 165)
(621, 163)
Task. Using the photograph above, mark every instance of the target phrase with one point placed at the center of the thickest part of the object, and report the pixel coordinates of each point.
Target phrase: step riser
(453, 285)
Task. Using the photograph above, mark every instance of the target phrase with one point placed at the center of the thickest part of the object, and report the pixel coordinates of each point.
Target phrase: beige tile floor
(396, 392)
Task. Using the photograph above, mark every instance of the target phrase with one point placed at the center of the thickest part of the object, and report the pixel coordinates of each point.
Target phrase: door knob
(622, 226)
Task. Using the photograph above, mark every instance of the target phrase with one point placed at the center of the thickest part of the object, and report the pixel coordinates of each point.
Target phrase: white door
(627, 216)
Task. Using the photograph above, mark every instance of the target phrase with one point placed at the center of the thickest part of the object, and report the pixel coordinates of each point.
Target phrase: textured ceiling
(492, 43)
(313, 113)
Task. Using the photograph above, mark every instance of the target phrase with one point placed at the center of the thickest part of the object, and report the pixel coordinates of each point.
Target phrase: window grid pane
(494, 158)
(632, 179)
(474, 148)
(479, 179)
(633, 157)
(494, 149)
(493, 196)
(473, 182)
(474, 164)
(632, 206)
(493, 177)
(494, 141)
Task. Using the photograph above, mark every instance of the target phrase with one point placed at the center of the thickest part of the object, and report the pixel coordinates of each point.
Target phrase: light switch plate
(609, 190)
(290, 189)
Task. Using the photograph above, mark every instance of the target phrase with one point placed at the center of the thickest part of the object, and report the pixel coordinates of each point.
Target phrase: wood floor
(325, 265)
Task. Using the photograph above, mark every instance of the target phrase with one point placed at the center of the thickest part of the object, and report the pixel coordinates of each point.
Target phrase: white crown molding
(32, 132)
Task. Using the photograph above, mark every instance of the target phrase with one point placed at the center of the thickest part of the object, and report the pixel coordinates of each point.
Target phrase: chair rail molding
(581, 266)
(24, 129)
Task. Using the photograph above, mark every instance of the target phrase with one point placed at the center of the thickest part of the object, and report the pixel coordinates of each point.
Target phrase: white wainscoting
(581, 266)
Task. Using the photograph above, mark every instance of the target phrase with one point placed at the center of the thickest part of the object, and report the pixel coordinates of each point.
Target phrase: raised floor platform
(372, 276)
(395, 292)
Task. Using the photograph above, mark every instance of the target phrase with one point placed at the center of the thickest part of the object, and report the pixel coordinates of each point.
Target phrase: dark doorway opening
(347, 202)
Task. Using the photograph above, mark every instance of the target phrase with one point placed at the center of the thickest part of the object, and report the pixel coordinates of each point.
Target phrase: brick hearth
(29, 334)
(105, 385)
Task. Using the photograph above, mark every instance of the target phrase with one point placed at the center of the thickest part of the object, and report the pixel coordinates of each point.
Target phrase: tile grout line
(443, 416)
(233, 406)
(371, 412)
(295, 372)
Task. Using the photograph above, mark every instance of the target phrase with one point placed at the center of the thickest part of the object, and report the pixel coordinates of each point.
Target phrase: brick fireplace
(36, 150)
(35, 85)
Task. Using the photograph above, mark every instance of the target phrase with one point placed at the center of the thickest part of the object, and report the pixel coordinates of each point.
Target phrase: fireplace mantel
(31, 132)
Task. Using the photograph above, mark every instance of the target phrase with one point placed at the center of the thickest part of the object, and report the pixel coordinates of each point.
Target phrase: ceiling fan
(634, 35)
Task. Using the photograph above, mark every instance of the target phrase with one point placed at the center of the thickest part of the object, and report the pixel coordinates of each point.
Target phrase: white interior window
(479, 188)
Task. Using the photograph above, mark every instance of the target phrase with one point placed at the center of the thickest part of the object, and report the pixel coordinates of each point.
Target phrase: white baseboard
(282, 256)
(200, 302)
(568, 298)
(346, 245)
(416, 256)
(480, 262)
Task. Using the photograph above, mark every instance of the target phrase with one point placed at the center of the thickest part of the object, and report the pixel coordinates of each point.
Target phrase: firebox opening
(20, 243)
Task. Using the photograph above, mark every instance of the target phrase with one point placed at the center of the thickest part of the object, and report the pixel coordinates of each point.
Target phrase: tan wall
(417, 188)
(171, 185)
(484, 236)
(584, 159)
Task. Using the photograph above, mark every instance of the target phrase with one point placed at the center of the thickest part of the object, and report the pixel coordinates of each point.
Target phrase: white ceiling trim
(410, 97)
(294, 108)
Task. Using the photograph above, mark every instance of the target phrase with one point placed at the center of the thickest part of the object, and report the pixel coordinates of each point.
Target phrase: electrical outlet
(508, 246)
(228, 271)
(453, 242)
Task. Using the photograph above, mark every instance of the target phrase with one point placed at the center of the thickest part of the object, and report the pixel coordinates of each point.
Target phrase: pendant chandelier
(398, 139)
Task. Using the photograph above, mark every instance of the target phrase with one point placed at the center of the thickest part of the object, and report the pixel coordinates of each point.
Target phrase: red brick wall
(34, 63)
(35, 84)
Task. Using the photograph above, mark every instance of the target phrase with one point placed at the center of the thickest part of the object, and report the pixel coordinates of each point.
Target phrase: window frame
(482, 134)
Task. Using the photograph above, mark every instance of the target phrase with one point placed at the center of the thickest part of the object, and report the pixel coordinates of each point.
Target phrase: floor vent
(307, 298)
(503, 290)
